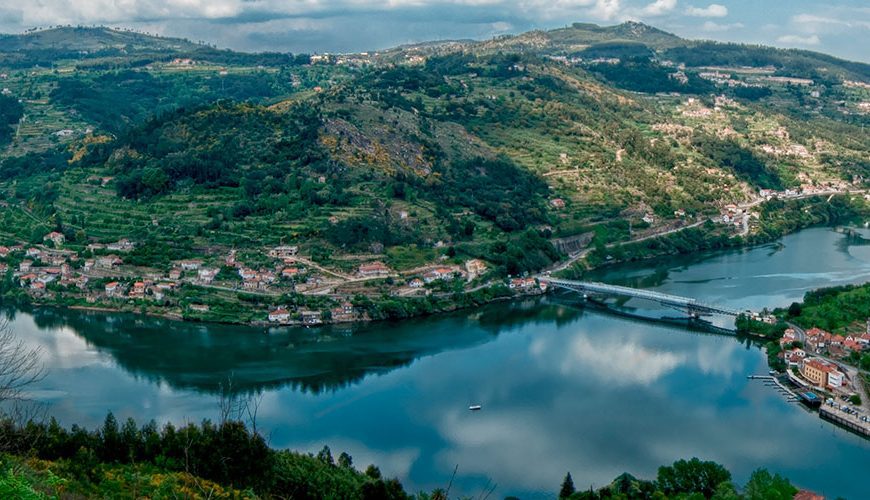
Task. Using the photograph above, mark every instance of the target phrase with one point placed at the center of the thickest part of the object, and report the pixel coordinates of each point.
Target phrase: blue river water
(563, 388)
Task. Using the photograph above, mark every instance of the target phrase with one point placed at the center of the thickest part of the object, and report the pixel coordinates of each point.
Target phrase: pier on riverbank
(847, 420)
(829, 411)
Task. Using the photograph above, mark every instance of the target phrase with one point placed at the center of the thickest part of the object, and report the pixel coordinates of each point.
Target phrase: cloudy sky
(839, 27)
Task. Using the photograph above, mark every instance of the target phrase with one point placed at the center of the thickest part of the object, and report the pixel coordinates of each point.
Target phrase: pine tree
(567, 487)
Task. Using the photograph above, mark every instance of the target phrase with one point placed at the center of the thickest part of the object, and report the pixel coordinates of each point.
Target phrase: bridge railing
(663, 298)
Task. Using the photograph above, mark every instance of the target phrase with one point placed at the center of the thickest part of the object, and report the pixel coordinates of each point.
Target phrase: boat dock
(772, 381)
(854, 421)
(849, 421)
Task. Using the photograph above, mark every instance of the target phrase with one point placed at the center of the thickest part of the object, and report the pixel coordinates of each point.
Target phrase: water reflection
(562, 388)
(199, 357)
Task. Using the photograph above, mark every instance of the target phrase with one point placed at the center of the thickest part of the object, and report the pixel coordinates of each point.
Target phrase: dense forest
(10, 112)
(643, 74)
(834, 309)
(687, 479)
(228, 460)
(789, 62)
(107, 461)
(119, 100)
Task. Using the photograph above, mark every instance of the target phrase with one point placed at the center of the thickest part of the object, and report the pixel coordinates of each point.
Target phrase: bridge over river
(693, 307)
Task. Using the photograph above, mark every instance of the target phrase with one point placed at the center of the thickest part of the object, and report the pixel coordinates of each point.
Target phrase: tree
(693, 476)
(726, 491)
(20, 366)
(567, 487)
(764, 486)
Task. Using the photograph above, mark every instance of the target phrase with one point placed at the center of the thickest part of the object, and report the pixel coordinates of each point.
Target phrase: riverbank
(777, 218)
(195, 301)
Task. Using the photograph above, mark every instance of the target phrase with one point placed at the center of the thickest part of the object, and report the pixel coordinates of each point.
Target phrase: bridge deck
(662, 298)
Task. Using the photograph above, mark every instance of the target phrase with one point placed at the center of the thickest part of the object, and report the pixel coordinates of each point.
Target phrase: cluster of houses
(472, 269)
(732, 214)
(527, 284)
(99, 275)
(284, 315)
(40, 266)
(815, 370)
(837, 346)
(139, 290)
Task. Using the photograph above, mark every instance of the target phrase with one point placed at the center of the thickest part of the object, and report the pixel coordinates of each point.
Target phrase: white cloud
(659, 7)
(799, 40)
(620, 363)
(713, 27)
(814, 22)
(712, 10)
(606, 9)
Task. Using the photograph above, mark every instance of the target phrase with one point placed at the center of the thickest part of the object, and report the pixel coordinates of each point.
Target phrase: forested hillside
(513, 152)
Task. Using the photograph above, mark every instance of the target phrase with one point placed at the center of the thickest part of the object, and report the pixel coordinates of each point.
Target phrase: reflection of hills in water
(203, 357)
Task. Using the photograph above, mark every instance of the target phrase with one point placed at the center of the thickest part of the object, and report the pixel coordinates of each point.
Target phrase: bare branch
(20, 365)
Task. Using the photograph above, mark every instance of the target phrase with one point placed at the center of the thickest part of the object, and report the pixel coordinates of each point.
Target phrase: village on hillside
(98, 277)
(281, 286)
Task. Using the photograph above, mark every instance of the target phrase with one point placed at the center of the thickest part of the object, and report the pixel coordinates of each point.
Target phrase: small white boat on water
(475, 407)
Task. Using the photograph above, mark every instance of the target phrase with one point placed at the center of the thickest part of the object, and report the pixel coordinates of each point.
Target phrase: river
(562, 388)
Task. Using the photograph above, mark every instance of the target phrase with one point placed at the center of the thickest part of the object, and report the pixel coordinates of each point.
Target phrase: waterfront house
(115, 289)
(279, 315)
(521, 283)
(138, 290)
(311, 317)
(199, 307)
(807, 495)
(821, 373)
(343, 313)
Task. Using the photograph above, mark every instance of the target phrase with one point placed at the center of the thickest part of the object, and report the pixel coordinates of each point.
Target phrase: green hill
(91, 40)
(489, 151)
